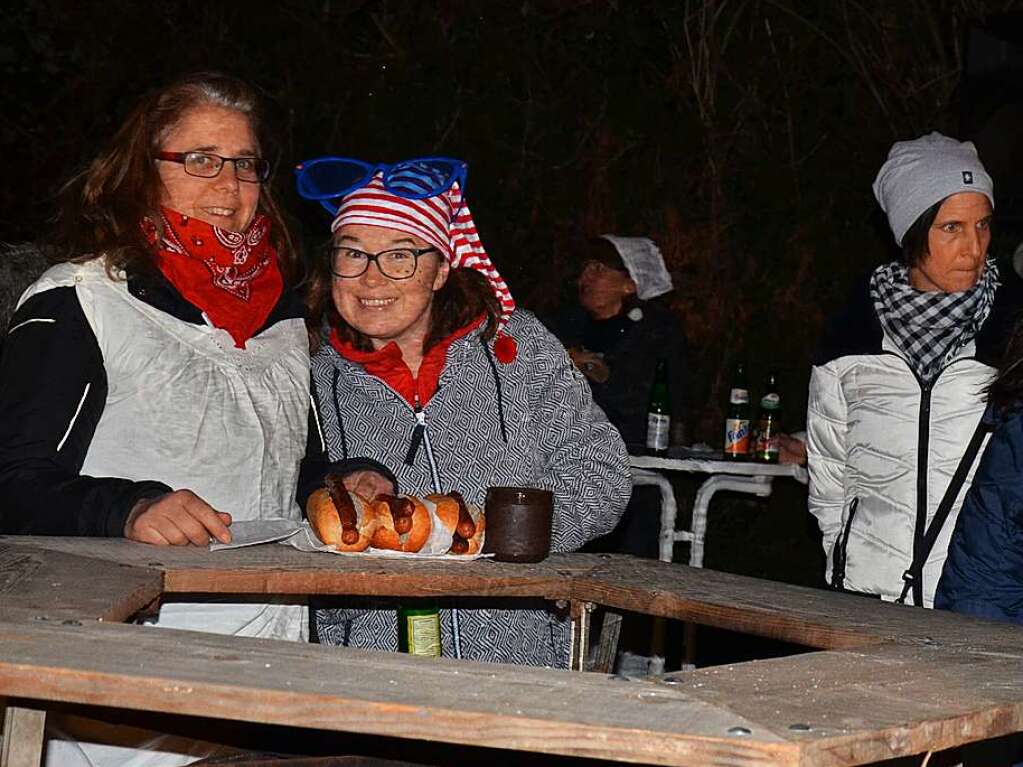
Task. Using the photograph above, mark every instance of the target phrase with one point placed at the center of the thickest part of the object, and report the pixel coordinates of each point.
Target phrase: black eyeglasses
(397, 264)
(255, 170)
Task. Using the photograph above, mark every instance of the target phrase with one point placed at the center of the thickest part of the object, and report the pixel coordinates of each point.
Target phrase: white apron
(187, 408)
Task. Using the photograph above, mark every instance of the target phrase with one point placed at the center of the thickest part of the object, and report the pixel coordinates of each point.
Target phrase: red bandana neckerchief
(387, 364)
(232, 277)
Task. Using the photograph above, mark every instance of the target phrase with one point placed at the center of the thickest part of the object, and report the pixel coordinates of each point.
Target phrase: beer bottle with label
(765, 440)
(658, 416)
(419, 629)
(737, 417)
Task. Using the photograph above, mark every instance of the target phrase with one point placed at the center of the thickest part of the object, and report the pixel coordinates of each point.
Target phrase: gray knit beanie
(922, 172)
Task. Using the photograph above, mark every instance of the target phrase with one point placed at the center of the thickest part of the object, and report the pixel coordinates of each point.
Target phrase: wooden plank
(850, 707)
(22, 744)
(275, 569)
(607, 647)
(41, 585)
(899, 680)
(253, 680)
(859, 706)
(810, 617)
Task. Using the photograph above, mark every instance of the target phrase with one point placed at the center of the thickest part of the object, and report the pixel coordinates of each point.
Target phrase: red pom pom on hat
(505, 349)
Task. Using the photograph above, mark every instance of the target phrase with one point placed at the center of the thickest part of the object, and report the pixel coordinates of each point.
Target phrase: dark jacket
(983, 574)
(631, 350)
(51, 356)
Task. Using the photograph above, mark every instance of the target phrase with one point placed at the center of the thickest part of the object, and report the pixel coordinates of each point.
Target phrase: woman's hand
(177, 519)
(368, 483)
(591, 364)
(791, 450)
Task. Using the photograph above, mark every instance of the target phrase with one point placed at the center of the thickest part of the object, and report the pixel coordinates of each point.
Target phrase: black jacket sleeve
(315, 465)
(676, 350)
(53, 388)
(663, 337)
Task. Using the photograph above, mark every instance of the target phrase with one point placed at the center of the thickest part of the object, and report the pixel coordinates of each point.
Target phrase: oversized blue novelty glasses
(327, 179)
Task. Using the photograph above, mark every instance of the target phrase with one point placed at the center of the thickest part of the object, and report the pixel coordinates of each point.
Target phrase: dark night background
(742, 135)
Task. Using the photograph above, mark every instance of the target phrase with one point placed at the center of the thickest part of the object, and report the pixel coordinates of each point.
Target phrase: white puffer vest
(882, 451)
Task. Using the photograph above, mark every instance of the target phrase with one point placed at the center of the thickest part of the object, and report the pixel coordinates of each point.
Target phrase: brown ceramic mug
(519, 523)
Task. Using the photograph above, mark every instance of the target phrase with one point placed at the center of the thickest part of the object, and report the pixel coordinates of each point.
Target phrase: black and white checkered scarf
(930, 327)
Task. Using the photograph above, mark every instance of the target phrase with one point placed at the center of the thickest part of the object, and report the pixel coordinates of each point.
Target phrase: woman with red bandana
(155, 381)
(429, 369)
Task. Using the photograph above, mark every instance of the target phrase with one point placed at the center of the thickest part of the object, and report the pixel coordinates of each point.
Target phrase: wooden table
(885, 681)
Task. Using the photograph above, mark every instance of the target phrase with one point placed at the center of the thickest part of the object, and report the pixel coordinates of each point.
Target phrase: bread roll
(446, 512)
(390, 510)
(325, 520)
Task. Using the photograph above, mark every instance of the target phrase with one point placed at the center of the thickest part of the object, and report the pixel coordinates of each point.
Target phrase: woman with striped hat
(428, 368)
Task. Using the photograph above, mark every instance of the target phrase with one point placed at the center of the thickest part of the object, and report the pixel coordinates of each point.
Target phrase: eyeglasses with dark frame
(254, 170)
(395, 264)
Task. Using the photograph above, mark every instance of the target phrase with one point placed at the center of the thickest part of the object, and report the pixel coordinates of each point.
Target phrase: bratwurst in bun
(463, 525)
(437, 524)
(341, 519)
(404, 523)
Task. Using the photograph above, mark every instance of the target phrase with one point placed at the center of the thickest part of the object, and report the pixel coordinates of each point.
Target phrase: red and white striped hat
(373, 205)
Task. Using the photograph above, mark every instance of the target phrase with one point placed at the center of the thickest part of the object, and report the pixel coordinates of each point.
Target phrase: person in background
(154, 383)
(897, 392)
(619, 331)
(430, 369)
(983, 575)
(616, 335)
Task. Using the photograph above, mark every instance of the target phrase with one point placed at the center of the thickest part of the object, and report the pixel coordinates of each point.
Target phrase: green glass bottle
(419, 629)
(658, 417)
(765, 443)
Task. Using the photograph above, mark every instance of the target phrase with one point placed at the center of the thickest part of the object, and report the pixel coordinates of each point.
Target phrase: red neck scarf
(232, 277)
(387, 364)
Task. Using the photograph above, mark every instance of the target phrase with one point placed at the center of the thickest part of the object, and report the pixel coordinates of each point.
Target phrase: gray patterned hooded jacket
(530, 422)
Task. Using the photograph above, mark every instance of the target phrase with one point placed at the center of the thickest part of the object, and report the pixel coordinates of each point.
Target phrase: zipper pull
(417, 434)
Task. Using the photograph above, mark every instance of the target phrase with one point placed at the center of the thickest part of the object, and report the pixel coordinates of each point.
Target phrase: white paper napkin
(300, 536)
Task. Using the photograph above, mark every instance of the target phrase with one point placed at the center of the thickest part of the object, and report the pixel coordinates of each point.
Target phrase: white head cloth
(645, 263)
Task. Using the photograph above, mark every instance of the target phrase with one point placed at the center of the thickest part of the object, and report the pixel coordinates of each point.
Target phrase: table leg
(607, 648)
(658, 644)
(23, 737)
(758, 486)
(669, 509)
(581, 613)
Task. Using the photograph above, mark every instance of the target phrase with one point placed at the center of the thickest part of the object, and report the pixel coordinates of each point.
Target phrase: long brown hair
(463, 298)
(1006, 391)
(103, 205)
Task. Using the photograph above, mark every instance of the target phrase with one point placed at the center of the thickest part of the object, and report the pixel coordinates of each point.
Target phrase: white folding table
(738, 476)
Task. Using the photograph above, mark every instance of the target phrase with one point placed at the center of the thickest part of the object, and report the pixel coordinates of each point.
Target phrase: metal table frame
(737, 476)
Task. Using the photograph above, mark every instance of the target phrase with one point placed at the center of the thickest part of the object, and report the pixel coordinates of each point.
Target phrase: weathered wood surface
(22, 741)
(372, 692)
(854, 706)
(806, 616)
(895, 680)
(274, 569)
(49, 585)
